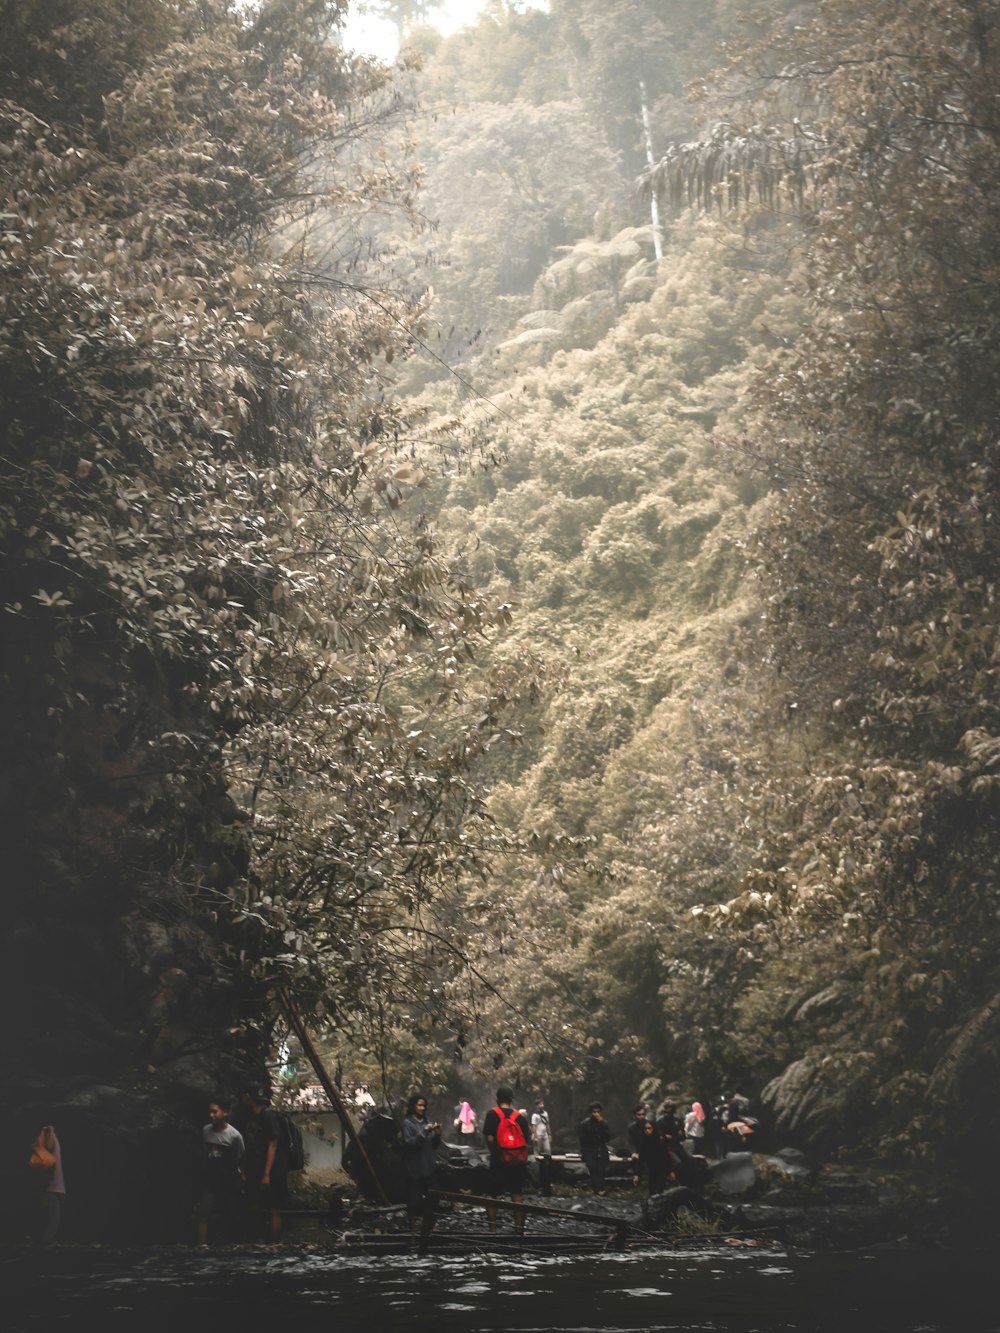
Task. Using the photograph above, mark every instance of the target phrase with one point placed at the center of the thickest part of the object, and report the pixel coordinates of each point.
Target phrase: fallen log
(619, 1226)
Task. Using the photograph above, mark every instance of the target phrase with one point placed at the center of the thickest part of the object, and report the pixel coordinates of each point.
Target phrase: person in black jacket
(634, 1134)
(593, 1133)
(651, 1159)
(686, 1169)
(266, 1160)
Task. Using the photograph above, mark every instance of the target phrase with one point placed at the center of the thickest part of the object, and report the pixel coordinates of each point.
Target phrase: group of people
(668, 1148)
(731, 1123)
(466, 1127)
(662, 1149)
(247, 1173)
(508, 1134)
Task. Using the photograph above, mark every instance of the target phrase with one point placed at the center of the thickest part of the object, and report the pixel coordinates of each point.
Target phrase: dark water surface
(743, 1291)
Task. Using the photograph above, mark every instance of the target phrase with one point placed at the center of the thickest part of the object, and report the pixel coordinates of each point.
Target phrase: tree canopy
(313, 380)
(240, 698)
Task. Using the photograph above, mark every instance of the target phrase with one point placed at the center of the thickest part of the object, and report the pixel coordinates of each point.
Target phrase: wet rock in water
(734, 1174)
(796, 1157)
(791, 1164)
(462, 1167)
(660, 1208)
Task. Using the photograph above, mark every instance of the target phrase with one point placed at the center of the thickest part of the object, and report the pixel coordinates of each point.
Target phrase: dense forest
(500, 550)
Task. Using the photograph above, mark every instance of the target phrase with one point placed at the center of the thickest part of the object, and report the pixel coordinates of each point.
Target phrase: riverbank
(784, 1198)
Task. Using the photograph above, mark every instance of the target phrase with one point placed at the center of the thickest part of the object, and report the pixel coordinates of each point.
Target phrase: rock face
(578, 298)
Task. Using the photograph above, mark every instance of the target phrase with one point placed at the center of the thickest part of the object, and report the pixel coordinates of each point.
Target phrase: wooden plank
(404, 1242)
(536, 1210)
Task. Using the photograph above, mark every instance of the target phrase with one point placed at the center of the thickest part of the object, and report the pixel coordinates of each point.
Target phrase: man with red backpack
(507, 1133)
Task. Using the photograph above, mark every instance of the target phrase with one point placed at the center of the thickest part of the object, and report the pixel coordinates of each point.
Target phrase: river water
(772, 1290)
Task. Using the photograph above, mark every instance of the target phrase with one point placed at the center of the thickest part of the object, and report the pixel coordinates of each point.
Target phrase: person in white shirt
(541, 1141)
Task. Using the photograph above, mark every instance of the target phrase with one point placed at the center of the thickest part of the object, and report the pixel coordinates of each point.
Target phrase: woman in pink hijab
(694, 1128)
(465, 1123)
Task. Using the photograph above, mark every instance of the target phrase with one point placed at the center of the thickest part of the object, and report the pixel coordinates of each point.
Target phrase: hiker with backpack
(506, 1132)
(266, 1159)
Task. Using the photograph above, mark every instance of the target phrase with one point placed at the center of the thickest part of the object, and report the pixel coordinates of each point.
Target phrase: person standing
(634, 1134)
(420, 1139)
(465, 1123)
(508, 1169)
(694, 1128)
(715, 1126)
(651, 1159)
(223, 1182)
(46, 1163)
(594, 1134)
(671, 1130)
(739, 1124)
(364, 1102)
(541, 1139)
(266, 1160)
(739, 1106)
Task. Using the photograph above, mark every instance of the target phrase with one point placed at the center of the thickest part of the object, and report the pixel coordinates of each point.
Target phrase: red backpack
(511, 1144)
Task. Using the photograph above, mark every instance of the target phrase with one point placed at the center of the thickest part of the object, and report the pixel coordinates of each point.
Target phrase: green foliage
(732, 508)
(404, 13)
(879, 426)
(503, 57)
(619, 48)
(240, 702)
(610, 522)
(788, 767)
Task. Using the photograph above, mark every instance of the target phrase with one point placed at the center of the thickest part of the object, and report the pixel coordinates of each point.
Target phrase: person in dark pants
(266, 1161)
(670, 1132)
(593, 1134)
(541, 1139)
(223, 1172)
(47, 1169)
(714, 1126)
(634, 1135)
(651, 1160)
(508, 1168)
(421, 1138)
